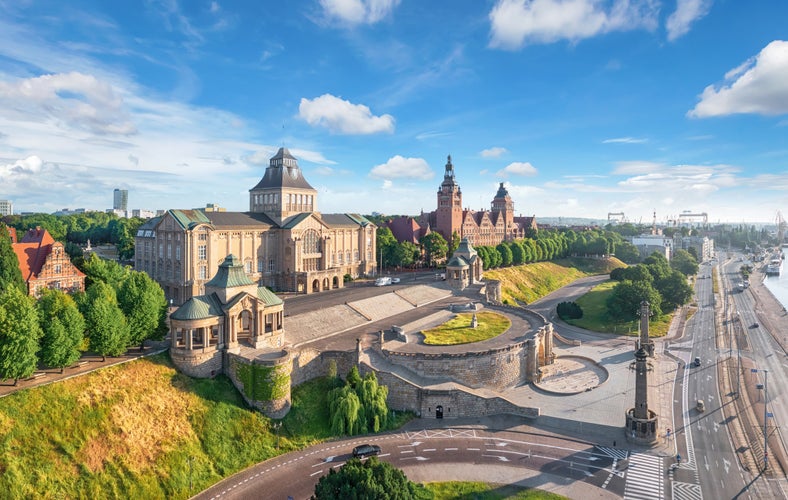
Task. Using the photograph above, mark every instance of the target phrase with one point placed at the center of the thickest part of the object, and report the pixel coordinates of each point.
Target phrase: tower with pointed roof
(449, 212)
(283, 191)
(503, 206)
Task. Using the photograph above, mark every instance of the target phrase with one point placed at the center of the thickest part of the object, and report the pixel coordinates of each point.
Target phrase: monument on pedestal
(642, 421)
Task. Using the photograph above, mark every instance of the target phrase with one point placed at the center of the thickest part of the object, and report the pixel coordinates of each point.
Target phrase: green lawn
(595, 317)
(456, 490)
(458, 329)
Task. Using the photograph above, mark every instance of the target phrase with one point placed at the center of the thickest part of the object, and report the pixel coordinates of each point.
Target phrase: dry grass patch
(458, 329)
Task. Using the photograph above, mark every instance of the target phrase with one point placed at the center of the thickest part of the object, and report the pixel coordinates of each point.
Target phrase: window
(178, 253)
(271, 265)
(202, 273)
(311, 241)
(58, 269)
(259, 265)
(161, 250)
(248, 267)
(202, 252)
(202, 236)
(169, 250)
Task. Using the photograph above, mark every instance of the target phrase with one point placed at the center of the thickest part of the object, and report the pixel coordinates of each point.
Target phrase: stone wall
(198, 363)
(310, 363)
(500, 368)
(455, 403)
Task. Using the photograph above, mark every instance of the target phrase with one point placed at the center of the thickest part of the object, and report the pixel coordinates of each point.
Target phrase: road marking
(450, 449)
(472, 449)
(316, 473)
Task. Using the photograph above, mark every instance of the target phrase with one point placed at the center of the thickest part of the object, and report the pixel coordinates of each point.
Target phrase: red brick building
(45, 264)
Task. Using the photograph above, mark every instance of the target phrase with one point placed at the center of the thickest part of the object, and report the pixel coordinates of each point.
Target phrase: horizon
(586, 107)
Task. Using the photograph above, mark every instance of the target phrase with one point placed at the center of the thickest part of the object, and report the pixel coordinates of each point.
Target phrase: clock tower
(449, 213)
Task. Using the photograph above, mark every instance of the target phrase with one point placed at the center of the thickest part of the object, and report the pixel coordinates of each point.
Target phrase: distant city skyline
(581, 108)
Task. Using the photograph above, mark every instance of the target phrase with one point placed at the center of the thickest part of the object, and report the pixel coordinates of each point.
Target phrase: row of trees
(119, 309)
(664, 285)
(547, 245)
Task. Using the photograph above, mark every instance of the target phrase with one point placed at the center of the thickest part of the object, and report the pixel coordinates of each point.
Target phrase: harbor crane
(781, 227)
(688, 217)
(617, 217)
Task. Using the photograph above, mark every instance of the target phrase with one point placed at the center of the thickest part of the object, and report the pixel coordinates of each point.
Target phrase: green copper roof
(230, 274)
(268, 296)
(466, 247)
(457, 261)
(295, 220)
(200, 307)
(188, 218)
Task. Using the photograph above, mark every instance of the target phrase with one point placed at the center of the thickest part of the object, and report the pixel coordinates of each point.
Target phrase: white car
(395, 280)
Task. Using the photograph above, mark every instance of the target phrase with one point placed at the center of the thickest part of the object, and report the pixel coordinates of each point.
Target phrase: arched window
(311, 241)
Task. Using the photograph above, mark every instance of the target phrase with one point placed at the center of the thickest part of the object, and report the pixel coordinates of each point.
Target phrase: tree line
(546, 245)
(76, 229)
(120, 308)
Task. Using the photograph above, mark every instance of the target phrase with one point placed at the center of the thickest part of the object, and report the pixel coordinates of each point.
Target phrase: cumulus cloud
(358, 11)
(401, 167)
(759, 86)
(74, 100)
(27, 167)
(517, 168)
(624, 140)
(686, 13)
(514, 23)
(495, 152)
(343, 117)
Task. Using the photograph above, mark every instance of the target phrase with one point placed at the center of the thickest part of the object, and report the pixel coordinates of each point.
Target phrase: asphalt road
(513, 456)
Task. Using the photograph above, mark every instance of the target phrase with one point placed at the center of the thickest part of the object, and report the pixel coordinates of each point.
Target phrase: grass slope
(530, 282)
(458, 329)
(458, 490)
(143, 430)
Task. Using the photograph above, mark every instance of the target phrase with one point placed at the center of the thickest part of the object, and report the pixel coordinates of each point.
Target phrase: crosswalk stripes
(686, 491)
(613, 452)
(644, 478)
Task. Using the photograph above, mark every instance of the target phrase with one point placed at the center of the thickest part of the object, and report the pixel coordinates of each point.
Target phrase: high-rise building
(6, 207)
(120, 199)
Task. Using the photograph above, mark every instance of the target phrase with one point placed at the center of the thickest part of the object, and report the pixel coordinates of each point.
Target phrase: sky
(580, 107)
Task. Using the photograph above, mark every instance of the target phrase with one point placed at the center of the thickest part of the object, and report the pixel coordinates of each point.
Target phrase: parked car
(754, 325)
(383, 281)
(366, 450)
(395, 280)
(700, 406)
(696, 362)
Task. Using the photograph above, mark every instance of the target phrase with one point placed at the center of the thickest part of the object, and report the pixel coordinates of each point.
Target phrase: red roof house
(45, 264)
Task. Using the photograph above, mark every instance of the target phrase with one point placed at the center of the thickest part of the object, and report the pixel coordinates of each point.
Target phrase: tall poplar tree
(19, 334)
(142, 301)
(10, 275)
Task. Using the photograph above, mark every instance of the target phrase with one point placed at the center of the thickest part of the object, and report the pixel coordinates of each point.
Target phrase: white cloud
(517, 168)
(624, 140)
(637, 167)
(759, 86)
(494, 152)
(686, 13)
(400, 167)
(514, 23)
(73, 100)
(358, 11)
(343, 117)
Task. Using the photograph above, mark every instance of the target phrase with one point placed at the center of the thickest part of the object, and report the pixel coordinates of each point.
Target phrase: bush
(569, 310)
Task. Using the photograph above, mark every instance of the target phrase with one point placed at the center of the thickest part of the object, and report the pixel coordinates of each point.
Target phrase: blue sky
(582, 107)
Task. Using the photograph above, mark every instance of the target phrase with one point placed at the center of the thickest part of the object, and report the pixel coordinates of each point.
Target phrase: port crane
(617, 217)
(781, 227)
(688, 217)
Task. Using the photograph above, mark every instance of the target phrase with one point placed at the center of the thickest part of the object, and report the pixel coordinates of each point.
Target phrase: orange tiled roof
(12, 233)
(32, 251)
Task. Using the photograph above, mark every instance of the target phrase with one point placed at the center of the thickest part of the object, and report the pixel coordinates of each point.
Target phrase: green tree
(370, 479)
(627, 252)
(106, 271)
(344, 410)
(435, 247)
(455, 244)
(518, 253)
(106, 325)
(373, 402)
(624, 301)
(684, 262)
(10, 275)
(657, 265)
(386, 243)
(143, 303)
(63, 329)
(675, 291)
(506, 254)
(19, 334)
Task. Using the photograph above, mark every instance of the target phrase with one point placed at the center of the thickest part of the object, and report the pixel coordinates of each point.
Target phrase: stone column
(641, 384)
(189, 340)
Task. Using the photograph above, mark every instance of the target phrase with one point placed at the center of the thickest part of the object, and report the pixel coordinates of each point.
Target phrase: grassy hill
(142, 430)
(530, 282)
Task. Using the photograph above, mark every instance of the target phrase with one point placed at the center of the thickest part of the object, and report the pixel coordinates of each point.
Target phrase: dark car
(696, 362)
(754, 325)
(366, 450)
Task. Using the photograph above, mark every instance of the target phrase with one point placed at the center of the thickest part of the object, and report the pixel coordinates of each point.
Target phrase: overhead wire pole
(765, 418)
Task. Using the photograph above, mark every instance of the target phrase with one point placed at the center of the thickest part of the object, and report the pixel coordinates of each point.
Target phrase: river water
(778, 285)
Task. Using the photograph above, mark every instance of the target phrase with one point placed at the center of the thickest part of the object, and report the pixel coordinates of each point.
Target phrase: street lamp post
(765, 416)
